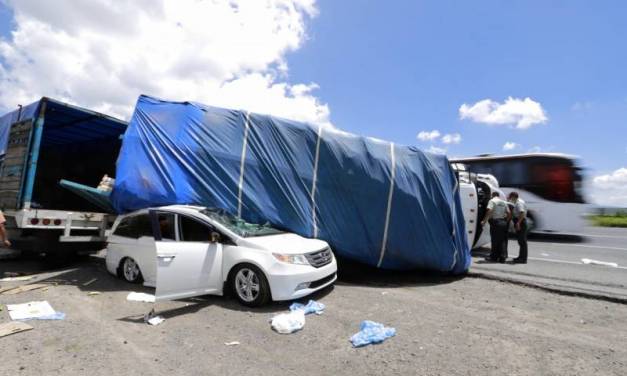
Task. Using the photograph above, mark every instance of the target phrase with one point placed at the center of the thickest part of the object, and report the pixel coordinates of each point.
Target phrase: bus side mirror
(215, 237)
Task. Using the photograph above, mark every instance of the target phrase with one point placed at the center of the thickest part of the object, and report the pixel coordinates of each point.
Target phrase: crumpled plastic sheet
(311, 307)
(286, 323)
(371, 332)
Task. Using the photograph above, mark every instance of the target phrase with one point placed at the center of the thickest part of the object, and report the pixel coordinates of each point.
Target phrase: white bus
(550, 184)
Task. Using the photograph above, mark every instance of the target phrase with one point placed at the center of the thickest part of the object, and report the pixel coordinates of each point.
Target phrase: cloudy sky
(460, 78)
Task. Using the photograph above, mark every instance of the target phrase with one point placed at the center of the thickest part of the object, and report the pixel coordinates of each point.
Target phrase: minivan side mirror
(215, 237)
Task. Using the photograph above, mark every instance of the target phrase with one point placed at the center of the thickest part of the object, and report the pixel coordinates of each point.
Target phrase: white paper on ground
(155, 320)
(234, 343)
(30, 310)
(597, 262)
(140, 297)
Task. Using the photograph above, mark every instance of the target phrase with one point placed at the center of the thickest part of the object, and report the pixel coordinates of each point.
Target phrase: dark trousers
(521, 235)
(498, 237)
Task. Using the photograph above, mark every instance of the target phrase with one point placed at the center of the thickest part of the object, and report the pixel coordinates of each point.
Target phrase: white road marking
(554, 260)
(603, 236)
(566, 262)
(584, 246)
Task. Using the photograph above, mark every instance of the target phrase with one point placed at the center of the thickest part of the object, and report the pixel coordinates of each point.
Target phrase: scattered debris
(234, 343)
(311, 307)
(152, 319)
(544, 254)
(140, 297)
(155, 320)
(90, 282)
(23, 288)
(40, 310)
(93, 293)
(13, 327)
(16, 279)
(371, 332)
(596, 262)
(286, 323)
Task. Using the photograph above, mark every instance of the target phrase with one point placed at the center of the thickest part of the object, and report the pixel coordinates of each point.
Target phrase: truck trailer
(41, 144)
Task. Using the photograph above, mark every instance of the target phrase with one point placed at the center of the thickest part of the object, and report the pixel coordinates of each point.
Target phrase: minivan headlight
(291, 259)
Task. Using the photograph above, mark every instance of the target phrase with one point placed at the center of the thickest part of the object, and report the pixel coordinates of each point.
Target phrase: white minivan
(187, 251)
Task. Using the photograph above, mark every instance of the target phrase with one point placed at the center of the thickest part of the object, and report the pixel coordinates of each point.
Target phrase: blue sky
(392, 71)
(383, 69)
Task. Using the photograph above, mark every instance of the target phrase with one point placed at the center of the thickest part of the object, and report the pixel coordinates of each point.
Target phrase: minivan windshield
(238, 225)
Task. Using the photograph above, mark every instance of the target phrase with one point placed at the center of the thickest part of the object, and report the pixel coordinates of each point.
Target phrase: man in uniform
(498, 214)
(520, 224)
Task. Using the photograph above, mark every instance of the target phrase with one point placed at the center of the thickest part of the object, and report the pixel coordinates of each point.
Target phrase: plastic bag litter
(371, 332)
(311, 307)
(40, 310)
(286, 323)
(140, 297)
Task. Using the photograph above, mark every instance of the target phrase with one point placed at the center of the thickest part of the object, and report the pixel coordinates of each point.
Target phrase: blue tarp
(386, 205)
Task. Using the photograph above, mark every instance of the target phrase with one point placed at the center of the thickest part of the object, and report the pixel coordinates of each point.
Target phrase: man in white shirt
(499, 215)
(520, 224)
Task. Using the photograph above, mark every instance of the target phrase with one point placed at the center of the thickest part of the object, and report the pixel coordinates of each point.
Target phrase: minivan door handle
(166, 258)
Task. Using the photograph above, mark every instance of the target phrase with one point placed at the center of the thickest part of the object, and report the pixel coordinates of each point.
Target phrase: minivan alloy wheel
(247, 284)
(130, 270)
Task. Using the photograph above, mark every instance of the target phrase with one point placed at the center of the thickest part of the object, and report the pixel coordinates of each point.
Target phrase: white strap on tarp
(240, 185)
(313, 184)
(453, 220)
(389, 207)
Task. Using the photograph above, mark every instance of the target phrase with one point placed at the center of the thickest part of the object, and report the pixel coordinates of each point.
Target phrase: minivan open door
(184, 268)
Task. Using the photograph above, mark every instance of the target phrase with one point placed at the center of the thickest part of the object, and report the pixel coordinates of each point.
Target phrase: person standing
(498, 215)
(3, 232)
(520, 225)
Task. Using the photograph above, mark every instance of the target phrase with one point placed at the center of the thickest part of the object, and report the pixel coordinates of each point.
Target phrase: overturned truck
(386, 205)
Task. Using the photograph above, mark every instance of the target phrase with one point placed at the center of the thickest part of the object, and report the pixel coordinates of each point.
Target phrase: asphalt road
(556, 262)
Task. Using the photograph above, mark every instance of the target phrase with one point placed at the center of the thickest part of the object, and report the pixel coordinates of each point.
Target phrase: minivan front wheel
(249, 285)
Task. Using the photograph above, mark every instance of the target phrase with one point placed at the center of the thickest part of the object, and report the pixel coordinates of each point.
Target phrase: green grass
(618, 220)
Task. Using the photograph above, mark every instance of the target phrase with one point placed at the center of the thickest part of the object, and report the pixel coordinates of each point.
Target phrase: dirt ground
(445, 326)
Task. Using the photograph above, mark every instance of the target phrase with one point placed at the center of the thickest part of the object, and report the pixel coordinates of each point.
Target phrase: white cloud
(523, 113)
(436, 150)
(610, 189)
(454, 138)
(102, 54)
(509, 145)
(428, 135)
